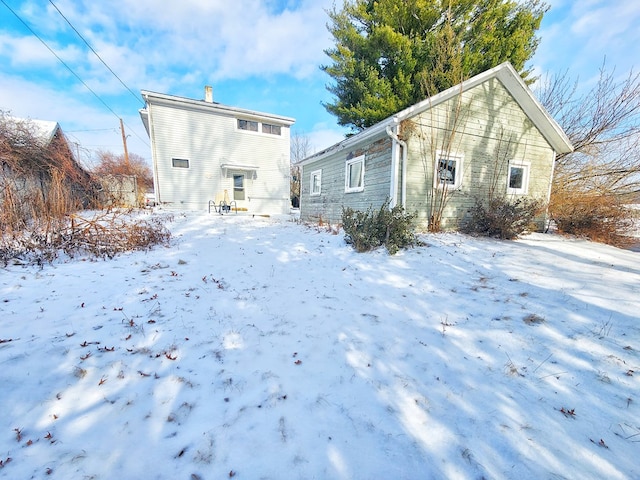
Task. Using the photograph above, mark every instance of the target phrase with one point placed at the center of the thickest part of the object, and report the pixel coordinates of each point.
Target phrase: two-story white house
(202, 149)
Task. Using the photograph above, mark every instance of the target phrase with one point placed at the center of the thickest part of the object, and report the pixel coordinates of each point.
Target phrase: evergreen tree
(390, 54)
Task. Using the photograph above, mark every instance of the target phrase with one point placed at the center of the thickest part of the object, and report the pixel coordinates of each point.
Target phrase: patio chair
(222, 204)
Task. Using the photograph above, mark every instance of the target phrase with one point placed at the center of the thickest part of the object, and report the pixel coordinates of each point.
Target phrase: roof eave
(144, 116)
(512, 81)
(218, 107)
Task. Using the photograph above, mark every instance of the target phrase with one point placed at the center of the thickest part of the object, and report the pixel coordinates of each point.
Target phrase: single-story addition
(203, 150)
(486, 137)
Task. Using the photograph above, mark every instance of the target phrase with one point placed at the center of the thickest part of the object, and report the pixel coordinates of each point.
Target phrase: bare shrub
(599, 217)
(103, 236)
(502, 218)
(132, 165)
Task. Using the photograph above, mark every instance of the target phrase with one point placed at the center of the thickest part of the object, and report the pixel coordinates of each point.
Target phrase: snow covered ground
(262, 348)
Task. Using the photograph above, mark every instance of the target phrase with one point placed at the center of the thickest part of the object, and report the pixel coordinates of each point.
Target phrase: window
(238, 187)
(316, 182)
(248, 125)
(180, 163)
(518, 178)
(448, 171)
(272, 129)
(354, 175)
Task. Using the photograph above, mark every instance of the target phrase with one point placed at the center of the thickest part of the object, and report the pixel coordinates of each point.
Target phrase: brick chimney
(208, 93)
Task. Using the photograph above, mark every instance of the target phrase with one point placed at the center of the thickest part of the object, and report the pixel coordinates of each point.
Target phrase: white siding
(208, 139)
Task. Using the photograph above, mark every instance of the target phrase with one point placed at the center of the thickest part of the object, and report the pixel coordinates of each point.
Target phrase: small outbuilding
(38, 169)
(203, 150)
(486, 137)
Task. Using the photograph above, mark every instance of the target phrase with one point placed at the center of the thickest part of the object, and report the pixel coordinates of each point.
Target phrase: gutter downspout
(154, 157)
(394, 169)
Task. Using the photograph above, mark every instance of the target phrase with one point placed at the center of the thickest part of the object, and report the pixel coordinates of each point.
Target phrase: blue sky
(261, 55)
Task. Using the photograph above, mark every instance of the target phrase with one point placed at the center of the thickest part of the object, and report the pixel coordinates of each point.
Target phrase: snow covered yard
(261, 348)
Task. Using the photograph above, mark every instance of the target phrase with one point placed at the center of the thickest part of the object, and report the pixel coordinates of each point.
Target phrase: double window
(518, 178)
(354, 175)
(249, 125)
(316, 183)
(253, 126)
(271, 129)
(448, 171)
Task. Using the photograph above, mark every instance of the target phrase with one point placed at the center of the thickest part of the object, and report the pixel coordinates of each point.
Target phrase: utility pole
(124, 143)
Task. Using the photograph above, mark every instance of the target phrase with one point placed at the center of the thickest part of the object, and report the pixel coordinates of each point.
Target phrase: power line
(68, 67)
(96, 53)
(92, 130)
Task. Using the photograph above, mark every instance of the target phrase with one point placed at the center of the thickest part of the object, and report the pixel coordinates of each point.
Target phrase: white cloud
(24, 51)
(579, 35)
(92, 127)
(323, 136)
(226, 40)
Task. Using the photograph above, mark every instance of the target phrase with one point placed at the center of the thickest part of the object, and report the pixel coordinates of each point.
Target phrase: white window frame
(180, 162)
(242, 124)
(526, 167)
(239, 193)
(315, 174)
(347, 185)
(457, 181)
(271, 129)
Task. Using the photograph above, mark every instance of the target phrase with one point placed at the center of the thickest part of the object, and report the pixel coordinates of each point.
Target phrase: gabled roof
(214, 107)
(511, 80)
(44, 130)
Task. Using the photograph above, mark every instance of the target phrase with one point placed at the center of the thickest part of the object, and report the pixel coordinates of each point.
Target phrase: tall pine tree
(390, 54)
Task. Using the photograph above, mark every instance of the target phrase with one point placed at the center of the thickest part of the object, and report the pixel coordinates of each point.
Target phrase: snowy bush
(501, 218)
(103, 236)
(367, 230)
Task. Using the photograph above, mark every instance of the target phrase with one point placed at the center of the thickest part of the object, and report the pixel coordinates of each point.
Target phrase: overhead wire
(96, 53)
(71, 70)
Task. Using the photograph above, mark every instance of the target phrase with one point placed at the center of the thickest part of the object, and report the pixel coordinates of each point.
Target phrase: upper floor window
(518, 178)
(272, 129)
(354, 175)
(248, 125)
(448, 170)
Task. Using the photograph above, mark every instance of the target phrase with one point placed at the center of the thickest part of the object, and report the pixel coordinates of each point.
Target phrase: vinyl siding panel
(327, 207)
(488, 129)
(208, 140)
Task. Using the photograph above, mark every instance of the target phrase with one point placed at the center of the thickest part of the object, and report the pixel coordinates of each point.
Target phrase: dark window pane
(516, 174)
(447, 171)
(180, 163)
(272, 129)
(248, 125)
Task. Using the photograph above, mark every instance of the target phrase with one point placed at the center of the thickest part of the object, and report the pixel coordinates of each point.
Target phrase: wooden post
(124, 143)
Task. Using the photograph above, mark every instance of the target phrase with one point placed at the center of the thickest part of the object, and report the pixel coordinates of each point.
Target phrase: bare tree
(437, 146)
(603, 125)
(111, 164)
(300, 146)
